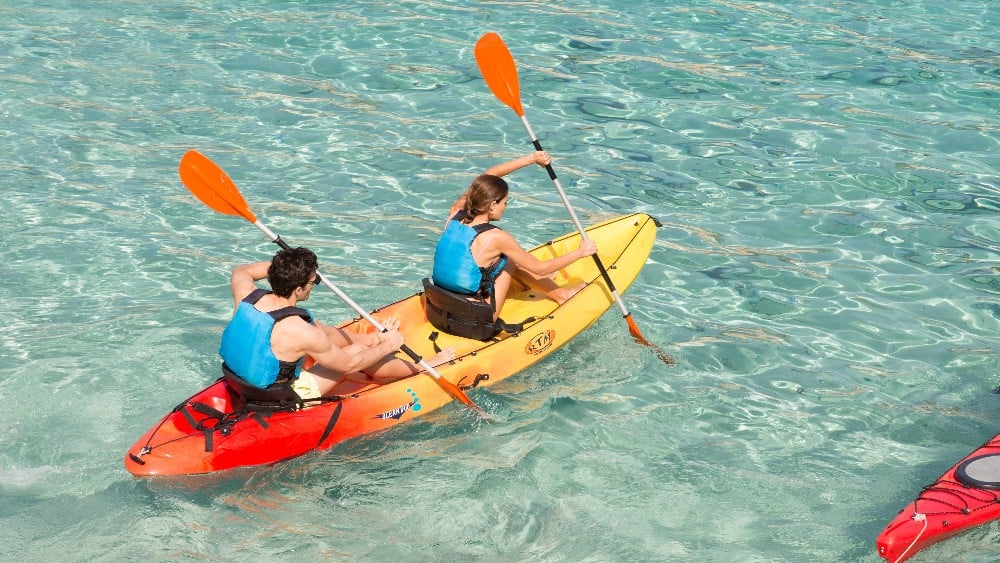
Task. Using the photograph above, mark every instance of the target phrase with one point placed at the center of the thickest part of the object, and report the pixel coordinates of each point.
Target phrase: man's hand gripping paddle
(210, 184)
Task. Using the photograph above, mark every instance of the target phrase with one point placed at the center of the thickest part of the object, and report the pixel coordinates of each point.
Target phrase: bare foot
(563, 293)
(444, 356)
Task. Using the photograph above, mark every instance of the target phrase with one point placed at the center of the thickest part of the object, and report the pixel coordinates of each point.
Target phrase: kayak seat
(278, 397)
(456, 314)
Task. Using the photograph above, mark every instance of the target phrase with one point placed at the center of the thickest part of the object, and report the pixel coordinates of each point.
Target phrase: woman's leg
(547, 286)
(500, 288)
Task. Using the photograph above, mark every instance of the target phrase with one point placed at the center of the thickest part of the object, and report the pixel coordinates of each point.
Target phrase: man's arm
(351, 358)
(241, 282)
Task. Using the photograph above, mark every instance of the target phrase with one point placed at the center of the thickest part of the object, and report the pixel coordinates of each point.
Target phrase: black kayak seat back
(275, 398)
(459, 315)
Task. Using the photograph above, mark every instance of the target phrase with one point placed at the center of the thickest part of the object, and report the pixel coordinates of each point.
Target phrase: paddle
(500, 73)
(212, 186)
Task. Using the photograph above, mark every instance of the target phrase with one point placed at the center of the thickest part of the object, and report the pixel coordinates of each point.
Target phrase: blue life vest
(455, 269)
(246, 343)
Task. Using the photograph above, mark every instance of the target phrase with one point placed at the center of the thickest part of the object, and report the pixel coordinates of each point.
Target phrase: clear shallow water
(827, 273)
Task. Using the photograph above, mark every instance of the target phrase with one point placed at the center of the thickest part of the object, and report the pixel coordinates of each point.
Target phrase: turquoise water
(828, 272)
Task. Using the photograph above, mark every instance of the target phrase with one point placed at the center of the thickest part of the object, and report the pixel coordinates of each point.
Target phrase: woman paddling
(478, 259)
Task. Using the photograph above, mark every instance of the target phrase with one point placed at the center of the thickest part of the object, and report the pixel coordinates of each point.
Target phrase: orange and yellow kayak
(203, 434)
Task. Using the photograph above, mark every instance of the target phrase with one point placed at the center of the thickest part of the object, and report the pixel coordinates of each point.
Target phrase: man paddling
(265, 343)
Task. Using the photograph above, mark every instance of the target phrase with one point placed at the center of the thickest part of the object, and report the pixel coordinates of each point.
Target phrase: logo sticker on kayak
(540, 342)
(399, 411)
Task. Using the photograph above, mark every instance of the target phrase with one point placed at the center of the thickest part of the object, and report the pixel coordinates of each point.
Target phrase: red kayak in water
(966, 496)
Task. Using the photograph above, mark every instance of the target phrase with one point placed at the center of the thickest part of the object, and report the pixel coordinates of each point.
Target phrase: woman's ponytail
(485, 190)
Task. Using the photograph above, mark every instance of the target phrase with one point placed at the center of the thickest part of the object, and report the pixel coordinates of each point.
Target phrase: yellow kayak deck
(623, 243)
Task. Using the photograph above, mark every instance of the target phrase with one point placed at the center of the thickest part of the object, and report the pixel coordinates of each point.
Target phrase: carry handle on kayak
(212, 186)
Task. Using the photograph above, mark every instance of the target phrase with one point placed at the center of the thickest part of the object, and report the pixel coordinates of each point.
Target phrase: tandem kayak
(966, 496)
(203, 434)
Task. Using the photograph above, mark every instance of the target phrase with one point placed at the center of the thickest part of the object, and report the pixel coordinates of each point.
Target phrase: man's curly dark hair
(290, 269)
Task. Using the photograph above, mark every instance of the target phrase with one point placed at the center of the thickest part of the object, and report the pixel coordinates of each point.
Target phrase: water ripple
(826, 274)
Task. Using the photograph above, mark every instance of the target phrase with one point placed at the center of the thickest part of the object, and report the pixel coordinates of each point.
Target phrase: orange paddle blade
(633, 329)
(212, 186)
(457, 393)
(499, 70)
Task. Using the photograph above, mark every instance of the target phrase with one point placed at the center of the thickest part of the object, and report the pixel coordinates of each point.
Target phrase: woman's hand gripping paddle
(500, 73)
(212, 186)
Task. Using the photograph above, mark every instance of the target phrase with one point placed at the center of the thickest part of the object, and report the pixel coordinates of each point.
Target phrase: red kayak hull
(943, 509)
(189, 439)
